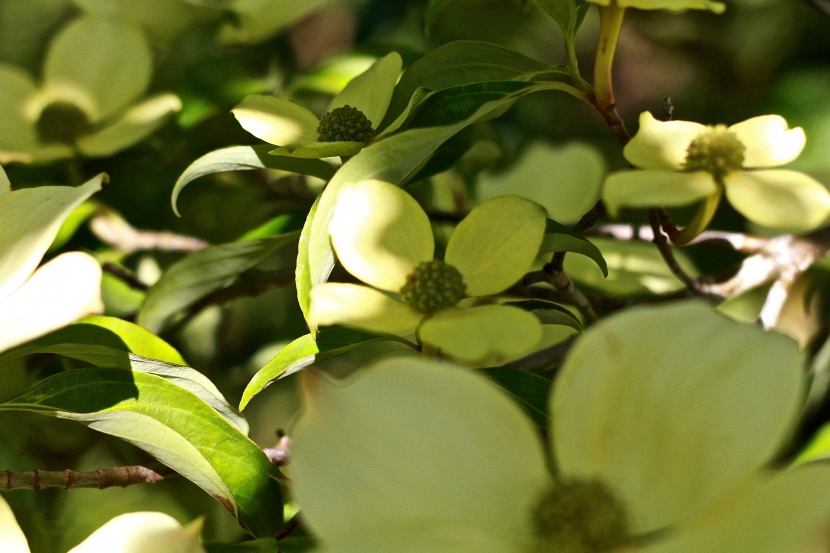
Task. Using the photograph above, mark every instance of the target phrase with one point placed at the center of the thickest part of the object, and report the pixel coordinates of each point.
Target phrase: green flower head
(93, 76)
(681, 162)
(344, 129)
(383, 237)
(660, 446)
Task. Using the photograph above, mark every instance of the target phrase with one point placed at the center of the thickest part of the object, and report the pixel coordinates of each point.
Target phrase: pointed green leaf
(549, 313)
(371, 91)
(559, 238)
(530, 390)
(246, 158)
(172, 424)
(457, 63)
(303, 352)
(201, 273)
(456, 103)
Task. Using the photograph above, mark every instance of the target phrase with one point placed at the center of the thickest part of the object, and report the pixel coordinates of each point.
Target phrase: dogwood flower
(299, 133)
(142, 532)
(93, 74)
(35, 301)
(383, 237)
(682, 162)
(659, 445)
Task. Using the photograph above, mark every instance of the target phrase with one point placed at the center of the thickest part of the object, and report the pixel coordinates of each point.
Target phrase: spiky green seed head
(62, 122)
(344, 124)
(579, 516)
(716, 151)
(434, 285)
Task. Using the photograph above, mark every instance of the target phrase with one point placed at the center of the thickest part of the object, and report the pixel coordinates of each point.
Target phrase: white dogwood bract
(34, 301)
(676, 410)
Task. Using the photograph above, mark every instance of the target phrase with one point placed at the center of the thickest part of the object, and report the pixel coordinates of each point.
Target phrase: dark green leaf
(457, 63)
(456, 103)
(559, 238)
(172, 424)
(246, 158)
(201, 273)
(529, 389)
(549, 313)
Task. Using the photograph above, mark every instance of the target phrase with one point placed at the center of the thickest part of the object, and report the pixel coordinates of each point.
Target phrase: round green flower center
(345, 124)
(716, 151)
(434, 285)
(62, 122)
(579, 516)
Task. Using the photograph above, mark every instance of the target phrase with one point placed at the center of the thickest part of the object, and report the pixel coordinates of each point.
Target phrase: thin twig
(112, 229)
(662, 244)
(102, 478)
(125, 275)
(288, 528)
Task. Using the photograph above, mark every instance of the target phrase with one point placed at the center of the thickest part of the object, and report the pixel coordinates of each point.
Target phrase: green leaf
(394, 159)
(433, 10)
(246, 158)
(568, 14)
(305, 351)
(371, 91)
(264, 545)
(559, 238)
(549, 313)
(201, 273)
(311, 150)
(456, 103)
(71, 225)
(137, 339)
(634, 269)
(530, 390)
(173, 425)
(457, 63)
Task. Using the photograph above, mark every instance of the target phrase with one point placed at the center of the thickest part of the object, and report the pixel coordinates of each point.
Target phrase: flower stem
(610, 23)
(699, 222)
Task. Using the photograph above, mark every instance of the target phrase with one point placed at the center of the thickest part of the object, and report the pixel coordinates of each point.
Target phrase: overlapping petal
(115, 68)
(769, 141)
(411, 453)
(29, 221)
(12, 539)
(483, 336)
(779, 198)
(646, 401)
(661, 144)
(143, 532)
(134, 125)
(380, 233)
(651, 187)
(361, 307)
(497, 243)
(276, 120)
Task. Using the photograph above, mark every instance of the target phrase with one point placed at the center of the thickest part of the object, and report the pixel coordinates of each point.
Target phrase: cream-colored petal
(409, 447)
(371, 91)
(109, 62)
(276, 120)
(497, 243)
(361, 307)
(143, 532)
(29, 220)
(779, 198)
(769, 141)
(17, 131)
(671, 5)
(5, 184)
(661, 144)
(674, 407)
(774, 513)
(12, 539)
(650, 188)
(131, 127)
(380, 233)
(484, 336)
(59, 293)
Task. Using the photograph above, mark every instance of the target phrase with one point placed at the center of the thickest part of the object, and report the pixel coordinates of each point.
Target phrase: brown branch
(662, 244)
(102, 478)
(279, 454)
(112, 229)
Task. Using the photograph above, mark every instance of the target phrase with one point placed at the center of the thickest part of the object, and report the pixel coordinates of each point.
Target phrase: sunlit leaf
(559, 238)
(173, 425)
